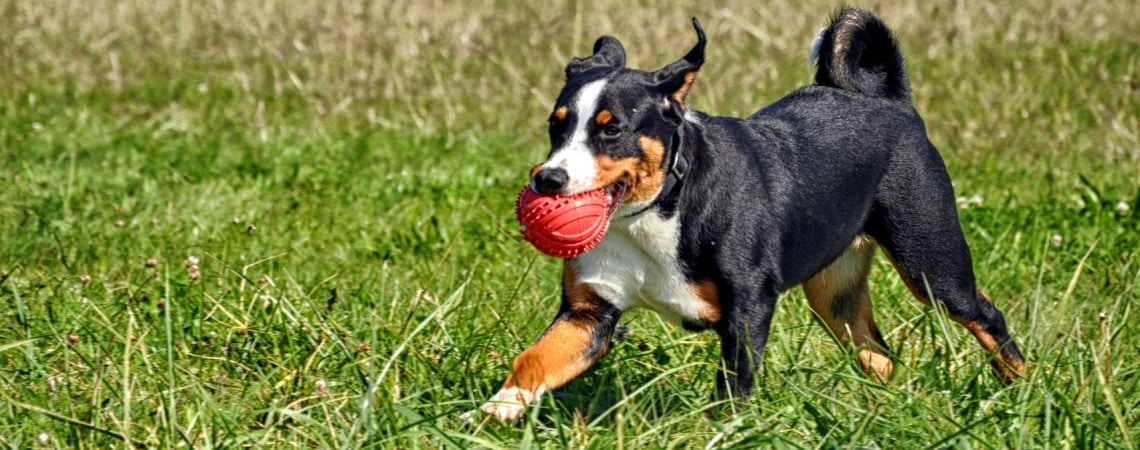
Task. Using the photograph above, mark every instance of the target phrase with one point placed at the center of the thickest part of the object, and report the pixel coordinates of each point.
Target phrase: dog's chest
(636, 265)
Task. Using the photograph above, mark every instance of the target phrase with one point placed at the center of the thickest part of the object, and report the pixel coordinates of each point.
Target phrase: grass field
(289, 224)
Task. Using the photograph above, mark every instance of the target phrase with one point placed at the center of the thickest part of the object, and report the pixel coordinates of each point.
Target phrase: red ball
(563, 226)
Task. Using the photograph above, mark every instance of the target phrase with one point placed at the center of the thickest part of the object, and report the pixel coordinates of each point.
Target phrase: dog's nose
(549, 180)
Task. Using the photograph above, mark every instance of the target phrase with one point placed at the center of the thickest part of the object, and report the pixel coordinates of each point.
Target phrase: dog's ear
(676, 78)
(608, 52)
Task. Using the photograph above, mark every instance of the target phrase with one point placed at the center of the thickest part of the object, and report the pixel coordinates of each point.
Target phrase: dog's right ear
(677, 78)
(608, 52)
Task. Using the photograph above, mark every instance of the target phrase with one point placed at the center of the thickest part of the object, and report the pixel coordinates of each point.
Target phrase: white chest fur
(635, 265)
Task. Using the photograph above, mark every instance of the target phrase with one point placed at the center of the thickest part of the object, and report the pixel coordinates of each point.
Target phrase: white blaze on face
(575, 156)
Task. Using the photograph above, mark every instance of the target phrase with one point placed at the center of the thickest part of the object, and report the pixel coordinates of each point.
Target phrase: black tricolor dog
(718, 216)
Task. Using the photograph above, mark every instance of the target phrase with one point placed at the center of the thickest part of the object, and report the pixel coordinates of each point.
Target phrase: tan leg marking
(839, 296)
(1007, 367)
(706, 292)
(565, 350)
(560, 354)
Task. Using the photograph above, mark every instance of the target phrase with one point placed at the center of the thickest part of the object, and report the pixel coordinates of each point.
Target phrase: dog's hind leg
(915, 220)
(838, 294)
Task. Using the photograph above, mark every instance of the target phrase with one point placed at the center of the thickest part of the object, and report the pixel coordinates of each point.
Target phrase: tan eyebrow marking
(604, 117)
(561, 112)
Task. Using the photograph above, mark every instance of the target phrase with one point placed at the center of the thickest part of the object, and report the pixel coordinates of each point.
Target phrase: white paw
(507, 405)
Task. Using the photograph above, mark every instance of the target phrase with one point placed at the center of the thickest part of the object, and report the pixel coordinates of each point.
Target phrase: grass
(343, 175)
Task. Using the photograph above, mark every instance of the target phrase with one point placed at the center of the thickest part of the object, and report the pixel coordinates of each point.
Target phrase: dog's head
(613, 127)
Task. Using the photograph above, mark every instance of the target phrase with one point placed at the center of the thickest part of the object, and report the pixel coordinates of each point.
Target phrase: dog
(714, 217)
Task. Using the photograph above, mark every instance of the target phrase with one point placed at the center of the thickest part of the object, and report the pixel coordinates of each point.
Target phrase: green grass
(344, 175)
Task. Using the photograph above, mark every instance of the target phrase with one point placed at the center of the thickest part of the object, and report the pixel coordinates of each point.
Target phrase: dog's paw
(507, 405)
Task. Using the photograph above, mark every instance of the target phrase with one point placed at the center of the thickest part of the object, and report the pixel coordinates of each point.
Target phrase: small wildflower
(192, 268)
(966, 202)
(250, 229)
(1057, 239)
(236, 220)
(363, 347)
(152, 263)
(43, 439)
(85, 279)
(322, 386)
(4, 274)
(161, 303)
(73, 338)
(1122, 208)
(120, 223)
(83, 300)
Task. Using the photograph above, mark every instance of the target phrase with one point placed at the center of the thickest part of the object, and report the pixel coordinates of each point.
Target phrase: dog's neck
(675, 172)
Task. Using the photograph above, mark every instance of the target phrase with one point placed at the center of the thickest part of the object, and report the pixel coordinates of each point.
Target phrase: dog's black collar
(673, 177)
(676, 173)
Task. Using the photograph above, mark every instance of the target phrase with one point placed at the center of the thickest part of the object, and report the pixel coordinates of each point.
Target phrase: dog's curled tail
(857, 52)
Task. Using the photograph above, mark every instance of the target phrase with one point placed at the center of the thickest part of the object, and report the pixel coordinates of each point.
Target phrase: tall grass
(288, 223)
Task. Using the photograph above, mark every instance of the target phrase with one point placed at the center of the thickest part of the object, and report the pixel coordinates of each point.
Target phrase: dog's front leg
(743, 336)
(579, 337)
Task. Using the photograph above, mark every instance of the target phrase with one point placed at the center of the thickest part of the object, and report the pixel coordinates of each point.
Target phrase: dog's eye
(611, 131)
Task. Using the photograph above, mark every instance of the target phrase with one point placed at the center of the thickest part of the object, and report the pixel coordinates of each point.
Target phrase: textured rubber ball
(563, 226)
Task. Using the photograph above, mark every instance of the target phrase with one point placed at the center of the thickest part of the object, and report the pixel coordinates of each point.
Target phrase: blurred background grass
(366, 154)
(1049, 83)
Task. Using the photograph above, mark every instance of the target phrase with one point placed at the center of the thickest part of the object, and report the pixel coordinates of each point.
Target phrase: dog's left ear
(676, 78)
(608, 52)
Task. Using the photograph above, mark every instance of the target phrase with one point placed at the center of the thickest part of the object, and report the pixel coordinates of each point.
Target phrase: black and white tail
(857, 52)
